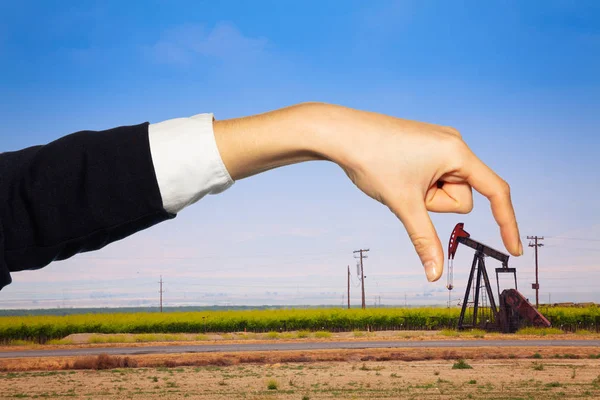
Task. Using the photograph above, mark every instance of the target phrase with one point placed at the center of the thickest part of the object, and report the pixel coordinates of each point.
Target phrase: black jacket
(73, 195)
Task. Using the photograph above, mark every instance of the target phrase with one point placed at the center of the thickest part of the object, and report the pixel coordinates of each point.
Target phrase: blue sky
(519, 79)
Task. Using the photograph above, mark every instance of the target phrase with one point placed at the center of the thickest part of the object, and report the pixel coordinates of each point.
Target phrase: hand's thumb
(421, 231)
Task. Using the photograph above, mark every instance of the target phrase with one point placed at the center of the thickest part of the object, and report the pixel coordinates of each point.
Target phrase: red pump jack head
(453, 243)
(452, 246)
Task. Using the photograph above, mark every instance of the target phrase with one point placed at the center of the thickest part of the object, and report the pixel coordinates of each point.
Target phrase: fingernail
(520, 248)
(431, 270)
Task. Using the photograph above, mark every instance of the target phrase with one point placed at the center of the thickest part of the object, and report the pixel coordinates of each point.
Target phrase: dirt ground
(433, 379)
(411, 373)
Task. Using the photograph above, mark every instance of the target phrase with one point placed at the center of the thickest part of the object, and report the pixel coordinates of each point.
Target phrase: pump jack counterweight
(514, 309)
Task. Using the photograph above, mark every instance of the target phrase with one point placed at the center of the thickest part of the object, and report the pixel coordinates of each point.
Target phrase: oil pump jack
(514, 310)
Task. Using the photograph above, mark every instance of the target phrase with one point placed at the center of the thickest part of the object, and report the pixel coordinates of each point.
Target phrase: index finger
(488, 183)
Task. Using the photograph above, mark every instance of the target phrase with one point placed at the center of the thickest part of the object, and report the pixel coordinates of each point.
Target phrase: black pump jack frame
(481, 251)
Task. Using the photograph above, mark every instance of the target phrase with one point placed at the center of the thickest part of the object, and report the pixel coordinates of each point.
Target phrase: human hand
(414, 167)
(411, 167)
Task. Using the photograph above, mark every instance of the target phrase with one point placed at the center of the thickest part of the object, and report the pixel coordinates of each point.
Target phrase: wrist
(329, 132)
(262, 142)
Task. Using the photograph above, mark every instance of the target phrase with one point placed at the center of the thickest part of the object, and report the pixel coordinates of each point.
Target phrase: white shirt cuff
(186, 160)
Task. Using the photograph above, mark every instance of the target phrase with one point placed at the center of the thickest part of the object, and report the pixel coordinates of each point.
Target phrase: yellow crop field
(43, 328)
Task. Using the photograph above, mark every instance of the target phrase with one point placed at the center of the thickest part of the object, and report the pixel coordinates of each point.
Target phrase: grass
(103, 361)
(60, 342)
(322, 334)
(476, 333)
(19, 342)
(364, 367)
(537, 366)
(148, 337)
(272, 335)
(94, 339)
(530, 331)
(139, 338)
(461, 364)
(247, 336)
(536, 356)
(449, 333)
(272, 384)
(334, 384)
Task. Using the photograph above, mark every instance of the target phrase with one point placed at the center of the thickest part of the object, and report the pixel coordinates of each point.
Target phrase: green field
(43, 328)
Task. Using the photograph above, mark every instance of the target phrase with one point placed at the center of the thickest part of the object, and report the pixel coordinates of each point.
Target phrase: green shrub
(272, 385)
(461, 364)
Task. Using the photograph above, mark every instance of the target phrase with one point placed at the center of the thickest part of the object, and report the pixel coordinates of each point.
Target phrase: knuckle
(456, 150)
(420, 242)
(504, 188)
(453, 131)
(455, 143)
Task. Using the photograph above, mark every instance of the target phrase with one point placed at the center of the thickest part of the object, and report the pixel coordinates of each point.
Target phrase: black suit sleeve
(76, 194)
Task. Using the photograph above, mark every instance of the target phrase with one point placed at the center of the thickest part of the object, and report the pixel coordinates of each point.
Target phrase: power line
(573, 248)
(536, 285)
(573, 238)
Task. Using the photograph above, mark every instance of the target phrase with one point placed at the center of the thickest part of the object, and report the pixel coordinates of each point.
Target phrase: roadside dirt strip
(296, 346)
(153, 356)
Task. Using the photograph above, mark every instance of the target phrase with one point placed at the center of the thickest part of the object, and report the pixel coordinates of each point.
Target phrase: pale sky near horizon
(519, 79)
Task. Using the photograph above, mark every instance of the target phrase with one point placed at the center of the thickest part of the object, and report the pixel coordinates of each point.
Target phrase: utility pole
(536, 285)
(348, 287)
(362, 275)
(160, 291)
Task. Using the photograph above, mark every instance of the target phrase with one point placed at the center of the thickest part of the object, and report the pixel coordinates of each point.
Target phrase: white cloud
(185, 44)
